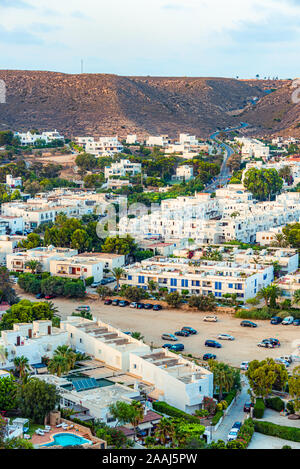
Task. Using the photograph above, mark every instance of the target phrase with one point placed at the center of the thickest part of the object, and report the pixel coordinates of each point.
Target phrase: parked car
(123, 303)
(287, 358)
(265, 344)
(248, 324)
(177, 347)
(274, 342)
(210, 318)
(182, 333)
(133, 305)
(189, 329)
(50, 297)
(296, 322)
(237, 425)
(84, 308)
(115, 302)
(39, 296)
(225, 337)
(233, 434)
(104, 281)
(209, 356)
(127, 333)
(282, 361)
(95, 284)
(157, 307)
(276, 320)
(212, 343)
(140, 305)
(148, 305)
(108, 302)
(167, 346)
(247, 406)
(167, 336)
(244, 366)
(110, 279)
(288, 320)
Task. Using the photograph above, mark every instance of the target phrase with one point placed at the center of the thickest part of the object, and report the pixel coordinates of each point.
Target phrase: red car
(49, 297)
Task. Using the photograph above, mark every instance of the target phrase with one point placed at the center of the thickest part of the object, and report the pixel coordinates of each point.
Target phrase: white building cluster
(231, 215)
(28, 138)
(252, 148)
(122, 168)
(101, 146)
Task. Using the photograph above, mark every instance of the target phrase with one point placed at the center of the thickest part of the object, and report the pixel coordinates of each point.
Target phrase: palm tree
(33, 265)
(164, 429)
(274, 292)
(152, 286)
(137, 336)
(264, 294)
(280, 241)
(223, 377)
(118, 272)
(58, 365)
(137, 414)
(21, 364)
(67, 353)
(3, 354)
(296, 297)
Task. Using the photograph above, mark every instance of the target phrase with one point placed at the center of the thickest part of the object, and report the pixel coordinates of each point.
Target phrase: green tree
(294, 387)
(173, 299)
(8, 389)
(21, 365)
(80, 240)
(263, 375)
(223, 377)
(33, 265)
(263, 183)
(36, 399)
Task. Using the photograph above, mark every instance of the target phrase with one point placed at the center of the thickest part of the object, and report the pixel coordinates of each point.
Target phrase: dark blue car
(212, 343)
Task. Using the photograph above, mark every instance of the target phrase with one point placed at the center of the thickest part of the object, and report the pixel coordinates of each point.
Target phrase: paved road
(224, 175)
(236, 414)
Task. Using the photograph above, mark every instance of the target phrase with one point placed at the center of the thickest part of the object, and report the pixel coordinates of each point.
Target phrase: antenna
(81, 65)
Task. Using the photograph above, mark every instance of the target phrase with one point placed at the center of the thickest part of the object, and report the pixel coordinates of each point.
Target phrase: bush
(89, 281)
(262, 313)
(216, 418)
(280, 431)
(259, 409)
(275, 403)
(230, 396)
(246, 432)
(167, 409)
(290, 407)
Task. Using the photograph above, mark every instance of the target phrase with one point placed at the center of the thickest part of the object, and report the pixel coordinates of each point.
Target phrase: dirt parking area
(153, 323)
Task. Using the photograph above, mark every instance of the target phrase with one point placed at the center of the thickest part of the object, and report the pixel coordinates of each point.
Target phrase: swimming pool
(67, 439)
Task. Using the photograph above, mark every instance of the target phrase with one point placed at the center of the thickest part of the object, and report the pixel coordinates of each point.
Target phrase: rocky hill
(97, 104)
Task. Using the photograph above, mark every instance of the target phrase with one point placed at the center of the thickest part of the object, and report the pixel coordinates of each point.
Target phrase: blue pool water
(67, 439)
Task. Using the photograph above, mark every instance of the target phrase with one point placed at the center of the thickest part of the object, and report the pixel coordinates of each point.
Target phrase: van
(84, 308)
(288, 320)
(169, 337)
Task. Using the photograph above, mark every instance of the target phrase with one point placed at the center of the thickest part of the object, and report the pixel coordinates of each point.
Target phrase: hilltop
(99, 104)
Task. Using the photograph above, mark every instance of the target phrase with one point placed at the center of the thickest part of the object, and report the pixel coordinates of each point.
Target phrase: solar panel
(83, 384)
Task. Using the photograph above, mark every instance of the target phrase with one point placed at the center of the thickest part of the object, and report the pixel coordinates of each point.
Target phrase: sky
(227, 38)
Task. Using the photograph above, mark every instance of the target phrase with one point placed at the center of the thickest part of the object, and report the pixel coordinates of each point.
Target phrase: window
(141, 279)
(129, 277)
(230, 285)
(239, 286)
(184, 283)
(173, 282)
(218, 286)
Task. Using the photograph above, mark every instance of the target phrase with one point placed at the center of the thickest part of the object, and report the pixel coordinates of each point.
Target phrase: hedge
(230, 396)
(217, 417)
(246, 432)
(275, 403)
(167, 409)
(259, 409)
(280, 431)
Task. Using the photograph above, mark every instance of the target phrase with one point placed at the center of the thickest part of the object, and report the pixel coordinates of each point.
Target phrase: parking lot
(152, 324)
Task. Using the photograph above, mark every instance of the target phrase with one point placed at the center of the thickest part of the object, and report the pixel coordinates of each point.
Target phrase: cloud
(15, 4)
(19, 37)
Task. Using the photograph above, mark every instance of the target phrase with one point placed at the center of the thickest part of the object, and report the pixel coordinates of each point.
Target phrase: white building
(201, 278)
(252, 148)
(31, 340)
(174, 379)
(160, 141)
(28, 138)
(131, 139)
(103, 146)
(8, 245)
(17, 261)
(77, 267)
(13, 182)
(185, 173)
(122, 168)
(11, 225)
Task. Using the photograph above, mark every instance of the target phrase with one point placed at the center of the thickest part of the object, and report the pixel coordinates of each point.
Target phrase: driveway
(260, 441)
(236, 414)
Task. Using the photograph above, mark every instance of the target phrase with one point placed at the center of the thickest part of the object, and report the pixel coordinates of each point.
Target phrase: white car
(288, 320)
(282, 361)
(225, 337)
(133, 305)
(244, 365)
(210, 318)
(233, 434)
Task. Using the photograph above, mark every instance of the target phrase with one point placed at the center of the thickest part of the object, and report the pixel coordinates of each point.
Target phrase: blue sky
(153, 37)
